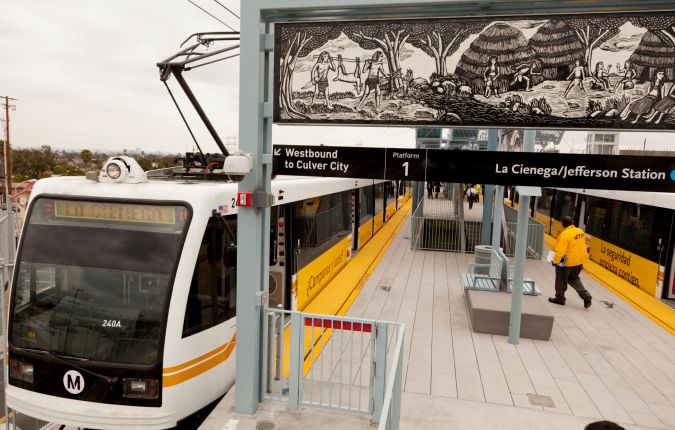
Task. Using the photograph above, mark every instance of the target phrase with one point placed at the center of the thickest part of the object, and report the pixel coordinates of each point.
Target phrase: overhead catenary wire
(227, 9)
(211, 15)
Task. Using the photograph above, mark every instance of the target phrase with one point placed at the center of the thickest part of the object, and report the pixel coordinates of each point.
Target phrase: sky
(85, 77)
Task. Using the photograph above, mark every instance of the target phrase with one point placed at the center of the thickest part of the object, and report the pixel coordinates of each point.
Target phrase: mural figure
(545, 72)
(664, 106)
(524, 73)
(375, 70)
(626, 81)
(577, 78)
(645, 105)
(601, 77)
(490, 74)
(320, 77)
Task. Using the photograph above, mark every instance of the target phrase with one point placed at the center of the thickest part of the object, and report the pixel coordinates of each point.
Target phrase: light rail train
(123, 300)
(631, 234)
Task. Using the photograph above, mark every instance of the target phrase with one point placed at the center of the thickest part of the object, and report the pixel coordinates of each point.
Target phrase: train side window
(212, 298)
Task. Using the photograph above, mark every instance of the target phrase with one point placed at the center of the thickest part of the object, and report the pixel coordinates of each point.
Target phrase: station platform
(608, 362)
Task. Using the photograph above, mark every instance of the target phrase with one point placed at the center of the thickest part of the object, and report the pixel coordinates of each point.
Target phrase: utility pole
(8, 156)
(8, 186)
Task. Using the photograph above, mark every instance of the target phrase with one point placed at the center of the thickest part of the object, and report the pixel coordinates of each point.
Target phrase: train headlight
(21, 370)
(113, 170)
(141, 388)
(121, 169)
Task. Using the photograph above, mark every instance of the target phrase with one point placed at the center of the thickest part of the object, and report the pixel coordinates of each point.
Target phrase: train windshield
(93, 279)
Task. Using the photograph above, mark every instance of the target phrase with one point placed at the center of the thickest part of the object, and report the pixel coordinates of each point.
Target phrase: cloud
(622, 43)
(527, 24)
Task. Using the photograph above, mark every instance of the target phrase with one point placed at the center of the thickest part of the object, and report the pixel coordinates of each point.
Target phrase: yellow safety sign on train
(317, 274)
(636, 270)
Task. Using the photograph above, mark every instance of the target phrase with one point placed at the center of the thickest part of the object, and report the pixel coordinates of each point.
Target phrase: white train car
(122, 308)
(631, 234)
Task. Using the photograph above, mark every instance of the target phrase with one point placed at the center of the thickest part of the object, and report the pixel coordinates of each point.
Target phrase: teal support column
(255, 137)
(497, 221)
(493, 142)
(521, 248)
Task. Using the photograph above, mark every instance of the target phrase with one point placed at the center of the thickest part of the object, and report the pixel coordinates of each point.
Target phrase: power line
(227, 9)
(212, 15)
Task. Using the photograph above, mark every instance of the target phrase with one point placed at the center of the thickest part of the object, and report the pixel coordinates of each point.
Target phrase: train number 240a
(111, 323)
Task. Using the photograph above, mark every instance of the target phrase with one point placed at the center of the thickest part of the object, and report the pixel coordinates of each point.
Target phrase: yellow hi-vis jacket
(571, 244)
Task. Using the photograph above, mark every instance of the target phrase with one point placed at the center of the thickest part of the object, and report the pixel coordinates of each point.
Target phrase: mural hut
(557, 47)
(502, 41)
(653, 53)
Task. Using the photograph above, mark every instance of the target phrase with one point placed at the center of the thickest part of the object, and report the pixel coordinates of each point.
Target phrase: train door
(580, 215)
(365, 215)
(671, 287)
(277, 258)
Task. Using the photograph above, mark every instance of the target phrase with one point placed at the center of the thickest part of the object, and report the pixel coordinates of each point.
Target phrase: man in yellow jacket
(570, 255)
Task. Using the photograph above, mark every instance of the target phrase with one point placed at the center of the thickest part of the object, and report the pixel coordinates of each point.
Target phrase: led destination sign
(616, 172)
(121, 212)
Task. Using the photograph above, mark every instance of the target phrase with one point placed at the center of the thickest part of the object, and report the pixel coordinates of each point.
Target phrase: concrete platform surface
(224, 417)
(418, 412)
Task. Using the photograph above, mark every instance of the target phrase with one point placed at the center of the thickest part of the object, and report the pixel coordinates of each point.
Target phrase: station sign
(545, 169)
(607, 70)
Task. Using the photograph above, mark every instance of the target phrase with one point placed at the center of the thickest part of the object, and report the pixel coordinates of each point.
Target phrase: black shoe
(587, 302)
(557, 301)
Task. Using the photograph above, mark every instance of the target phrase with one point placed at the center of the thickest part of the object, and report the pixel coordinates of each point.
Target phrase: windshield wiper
(65, 359)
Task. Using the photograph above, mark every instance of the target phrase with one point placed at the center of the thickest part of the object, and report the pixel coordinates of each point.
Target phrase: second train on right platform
(631, 234)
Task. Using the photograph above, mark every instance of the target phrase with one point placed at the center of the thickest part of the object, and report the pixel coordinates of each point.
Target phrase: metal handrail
(301, 346)
(391, 409)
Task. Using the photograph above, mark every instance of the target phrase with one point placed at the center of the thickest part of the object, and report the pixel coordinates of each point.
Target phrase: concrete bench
(529, 287)
(490, 313)
(486, 282)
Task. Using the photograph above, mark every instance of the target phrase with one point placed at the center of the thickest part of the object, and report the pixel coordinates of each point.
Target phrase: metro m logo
(73, 382)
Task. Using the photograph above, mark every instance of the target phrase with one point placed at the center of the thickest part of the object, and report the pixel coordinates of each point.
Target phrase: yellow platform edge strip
(651, 307)
(338, 296)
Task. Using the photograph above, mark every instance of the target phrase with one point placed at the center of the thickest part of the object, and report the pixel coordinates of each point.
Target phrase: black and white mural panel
(603, 71)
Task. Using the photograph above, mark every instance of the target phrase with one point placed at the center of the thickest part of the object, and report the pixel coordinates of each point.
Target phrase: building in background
(604, 143)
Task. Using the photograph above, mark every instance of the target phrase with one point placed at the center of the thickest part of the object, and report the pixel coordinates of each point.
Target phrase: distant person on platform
(570, 255)
(471, 196)
(430, 190)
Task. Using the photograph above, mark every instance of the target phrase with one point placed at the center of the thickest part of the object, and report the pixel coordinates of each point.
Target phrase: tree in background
(440, 39)
(663, 25)
(389, 37)
(595, 30)
(298, 42)
(35, 163)
(86, 156)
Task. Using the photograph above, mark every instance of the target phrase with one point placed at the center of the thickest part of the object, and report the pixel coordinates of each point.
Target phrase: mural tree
(595, 30)
(296, 43)
(662, 25)
(440, 40)
(387, 37)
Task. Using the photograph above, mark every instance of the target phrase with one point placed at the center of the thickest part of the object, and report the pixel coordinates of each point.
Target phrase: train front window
(93, 279)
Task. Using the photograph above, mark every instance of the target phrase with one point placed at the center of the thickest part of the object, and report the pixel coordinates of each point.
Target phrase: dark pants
(569, 275)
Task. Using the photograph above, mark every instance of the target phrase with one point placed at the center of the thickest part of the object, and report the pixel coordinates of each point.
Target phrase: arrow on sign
(277, 151)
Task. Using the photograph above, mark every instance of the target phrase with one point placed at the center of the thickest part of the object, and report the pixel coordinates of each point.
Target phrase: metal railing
(435, 227)
(335, 363)
(535, 234)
